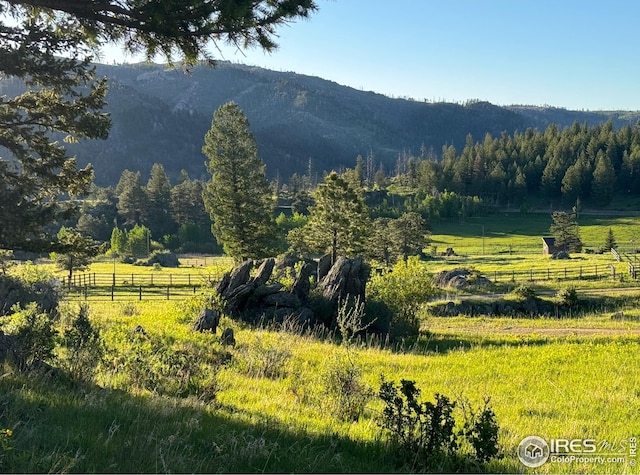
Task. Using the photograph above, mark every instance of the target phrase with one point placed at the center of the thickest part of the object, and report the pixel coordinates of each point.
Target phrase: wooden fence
(167, 286)
(96, 286)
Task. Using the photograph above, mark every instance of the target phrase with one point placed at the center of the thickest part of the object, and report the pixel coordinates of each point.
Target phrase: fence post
(170, 280)
(113, 282)
(596, 272)
(189, 276)
(132, 281)
(167, 292)
(531, 275)
(112, 287)
(580, 272)
(151, 278)
(548, 274)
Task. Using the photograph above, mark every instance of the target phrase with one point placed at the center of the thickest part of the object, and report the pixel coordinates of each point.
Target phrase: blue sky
(565, 53)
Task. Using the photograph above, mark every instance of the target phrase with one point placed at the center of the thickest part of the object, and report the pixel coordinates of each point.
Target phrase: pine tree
(566, 231)
(238, 196)
(77, 251)
(410, 234)
(610, 242)
(339, 220)
(133, 203)
(48, 45)
(604, 178)
(158, 192)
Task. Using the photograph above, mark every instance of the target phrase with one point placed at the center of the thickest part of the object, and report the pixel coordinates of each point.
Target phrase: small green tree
(77, 251)
(566, 231)
(339, 220)
(410, 234)
(610, 241)
(238, 197)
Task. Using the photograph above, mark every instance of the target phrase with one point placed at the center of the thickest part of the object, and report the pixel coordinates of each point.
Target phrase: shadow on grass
(56, 428)
(444, 343)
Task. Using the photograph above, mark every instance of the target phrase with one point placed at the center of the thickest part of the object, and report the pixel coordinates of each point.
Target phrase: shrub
(351, 319)
(481, 430)
(29, 283)
(423, 433)
(419, 430)
(568, 297)
(347, 393)
(34, 336)
(524, 292)
(84, 347)
(404, 290)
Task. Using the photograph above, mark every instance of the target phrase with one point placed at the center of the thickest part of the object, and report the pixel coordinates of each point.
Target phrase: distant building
(549, 246)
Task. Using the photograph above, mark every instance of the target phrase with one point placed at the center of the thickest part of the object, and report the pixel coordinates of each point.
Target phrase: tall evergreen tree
(610, 241)
(48, 44)
(238, 196)
(133, 203)
(604, 178)
(159, 202)
(339, 220)
(410, 234)
(566, 231)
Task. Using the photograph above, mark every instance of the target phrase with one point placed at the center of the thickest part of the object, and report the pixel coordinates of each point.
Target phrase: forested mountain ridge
(160, 115)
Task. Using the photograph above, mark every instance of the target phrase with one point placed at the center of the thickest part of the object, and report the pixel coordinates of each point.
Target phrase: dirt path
(553, 332)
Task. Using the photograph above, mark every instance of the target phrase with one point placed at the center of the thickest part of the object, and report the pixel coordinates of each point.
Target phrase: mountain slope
(161, 115)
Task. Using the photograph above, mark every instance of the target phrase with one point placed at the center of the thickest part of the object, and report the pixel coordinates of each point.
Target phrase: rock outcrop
(254, 299)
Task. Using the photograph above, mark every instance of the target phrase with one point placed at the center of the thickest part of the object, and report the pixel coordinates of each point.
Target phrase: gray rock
(302, 286)
(282, 299)
(264, 272)
(228, 337)
(208, 320)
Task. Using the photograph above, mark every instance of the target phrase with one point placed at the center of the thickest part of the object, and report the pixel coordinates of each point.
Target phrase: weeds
(346, 392)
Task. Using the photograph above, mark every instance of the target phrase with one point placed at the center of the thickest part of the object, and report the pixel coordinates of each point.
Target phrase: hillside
(161, 115)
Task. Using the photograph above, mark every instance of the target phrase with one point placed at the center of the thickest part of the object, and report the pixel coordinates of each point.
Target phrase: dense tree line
(589, 164)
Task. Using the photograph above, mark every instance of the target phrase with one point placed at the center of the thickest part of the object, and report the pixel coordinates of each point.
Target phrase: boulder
(228, 337)
(346, 278)
(264, 272)
(302, 286)
(237, 277)
(208, 320)
(324, 265)
(282, 299)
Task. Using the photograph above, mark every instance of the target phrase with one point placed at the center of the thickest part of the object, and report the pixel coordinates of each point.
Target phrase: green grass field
(173, 400)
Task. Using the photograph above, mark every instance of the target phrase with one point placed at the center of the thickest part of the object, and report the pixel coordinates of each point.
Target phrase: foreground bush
(423, 434)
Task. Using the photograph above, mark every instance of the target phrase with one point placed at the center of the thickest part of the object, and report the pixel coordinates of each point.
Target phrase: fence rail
(113, 287)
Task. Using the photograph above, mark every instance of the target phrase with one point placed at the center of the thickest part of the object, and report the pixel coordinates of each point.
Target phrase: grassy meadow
(172, 400)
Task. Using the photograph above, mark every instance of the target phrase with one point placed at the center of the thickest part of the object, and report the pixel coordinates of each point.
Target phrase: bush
(84, 347)
(419, 430)
(29, 283)
(481, 430)
(524, 292)
(568, 297)
(34, 336)
(423, 434)
(404, 290)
